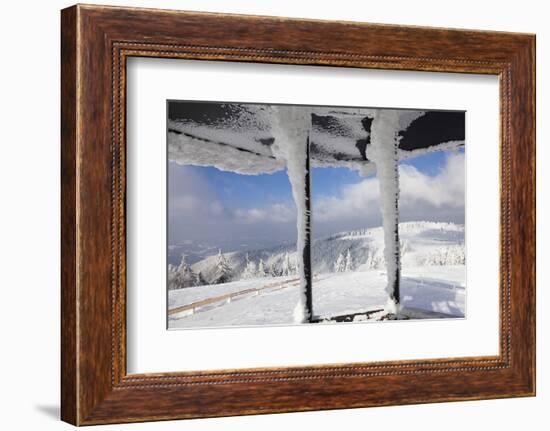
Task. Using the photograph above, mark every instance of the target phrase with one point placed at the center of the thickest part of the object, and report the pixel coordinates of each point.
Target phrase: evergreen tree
(374, 260)
(199, 279)
(173, 278)
(294, 265)
(273, 270)
(286, 267)
(339, 266)
(349, 262)
(249, 269)
(404, 247)
(261, 268)
(181, 276)
(183, 266)
(223, 270)
(187, 277)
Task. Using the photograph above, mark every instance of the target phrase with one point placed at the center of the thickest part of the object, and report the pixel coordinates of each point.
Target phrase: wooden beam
(397, 282)
(306, 254)
(223, 144)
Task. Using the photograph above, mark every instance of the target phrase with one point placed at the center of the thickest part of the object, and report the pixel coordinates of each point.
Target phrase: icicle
(383, 152)
(290, 129)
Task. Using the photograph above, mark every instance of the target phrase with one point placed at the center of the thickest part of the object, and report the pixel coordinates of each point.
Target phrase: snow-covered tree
(261, 269)
(181, 276)
(223, 270)
(374, 260)
(349, 262)
(448, 255)
(183, 266)
(288, 267)
(404, 247)
(199, 279)
(249, 269)
(339, 265)
(274, 271)
(172, 278)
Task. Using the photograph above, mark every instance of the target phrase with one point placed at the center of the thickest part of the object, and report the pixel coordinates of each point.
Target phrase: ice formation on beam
(290, 127)
(200, 133)
(383, 152)
(200, 147)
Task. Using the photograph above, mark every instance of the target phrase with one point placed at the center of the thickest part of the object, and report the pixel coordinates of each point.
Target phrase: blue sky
(250, 191)
(246, 191)
(430, 163)
(329, 181)
(208, 204)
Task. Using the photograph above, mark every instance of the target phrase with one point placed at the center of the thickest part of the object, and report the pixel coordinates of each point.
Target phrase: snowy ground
(426, 292)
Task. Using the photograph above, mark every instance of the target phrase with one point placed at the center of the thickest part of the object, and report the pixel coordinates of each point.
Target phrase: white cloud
(422, 197)
(276, 213)
(185, 203)
(196, 210)
(444, 190)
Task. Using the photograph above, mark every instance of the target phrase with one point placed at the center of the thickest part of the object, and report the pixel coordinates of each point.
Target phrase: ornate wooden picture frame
(96, 41)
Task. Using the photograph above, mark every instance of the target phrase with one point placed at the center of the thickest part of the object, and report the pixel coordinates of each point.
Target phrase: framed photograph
(321, 214)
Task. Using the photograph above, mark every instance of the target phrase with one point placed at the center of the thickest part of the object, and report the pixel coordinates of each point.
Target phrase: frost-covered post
(290, 127)
(383, 152)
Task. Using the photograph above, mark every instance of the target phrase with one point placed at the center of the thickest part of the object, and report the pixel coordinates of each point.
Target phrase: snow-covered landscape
(287, 214)
(349, 280)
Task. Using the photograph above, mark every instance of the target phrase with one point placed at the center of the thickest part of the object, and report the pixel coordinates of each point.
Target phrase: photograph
(292, 214)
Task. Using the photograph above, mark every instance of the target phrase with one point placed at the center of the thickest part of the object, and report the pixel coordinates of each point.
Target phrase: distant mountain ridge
(422, 244)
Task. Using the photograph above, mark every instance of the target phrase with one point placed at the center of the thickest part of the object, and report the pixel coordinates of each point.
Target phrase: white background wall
(29, 214)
